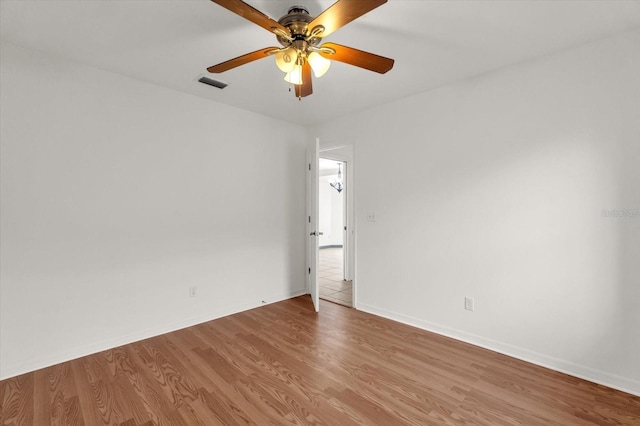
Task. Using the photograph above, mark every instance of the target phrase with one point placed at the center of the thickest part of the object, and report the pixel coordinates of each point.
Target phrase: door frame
(312, 240)
(344, 153)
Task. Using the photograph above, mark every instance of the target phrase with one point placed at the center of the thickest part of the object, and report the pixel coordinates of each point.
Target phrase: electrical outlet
(193, 291)
(468, 303)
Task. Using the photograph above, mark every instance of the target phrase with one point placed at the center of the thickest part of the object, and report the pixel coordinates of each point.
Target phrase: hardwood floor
(283, 364)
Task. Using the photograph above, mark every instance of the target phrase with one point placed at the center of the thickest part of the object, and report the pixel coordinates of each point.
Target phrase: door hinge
(309, 166)
(309, 270)
(345, 228)
(309, 219)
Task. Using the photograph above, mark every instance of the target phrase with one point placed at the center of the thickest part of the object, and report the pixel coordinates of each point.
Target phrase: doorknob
(318, 233)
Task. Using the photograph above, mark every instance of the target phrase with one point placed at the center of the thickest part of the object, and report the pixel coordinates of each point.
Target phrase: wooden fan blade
(358, 58)
(252, 14)
(342, 12)
(241, 60)
(306, 88)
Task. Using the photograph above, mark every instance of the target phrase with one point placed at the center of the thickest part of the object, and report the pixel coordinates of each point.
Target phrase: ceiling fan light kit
(319, 65)
(295, 76)
(300, 36)
(287, 59)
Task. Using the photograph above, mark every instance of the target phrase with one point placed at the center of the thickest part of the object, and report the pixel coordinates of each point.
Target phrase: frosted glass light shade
(295, 76)
(286, 59)
(319, 65)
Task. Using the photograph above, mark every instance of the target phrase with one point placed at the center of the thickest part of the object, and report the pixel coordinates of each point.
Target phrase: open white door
(312, 222)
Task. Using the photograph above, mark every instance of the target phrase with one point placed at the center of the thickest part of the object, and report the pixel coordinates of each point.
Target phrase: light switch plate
(468, 303)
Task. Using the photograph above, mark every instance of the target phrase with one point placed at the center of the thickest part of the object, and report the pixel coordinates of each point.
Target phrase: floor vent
(212, 82)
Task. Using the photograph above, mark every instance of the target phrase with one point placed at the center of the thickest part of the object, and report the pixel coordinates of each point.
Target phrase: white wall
(117, 196)
(497, 193)
(330, 213)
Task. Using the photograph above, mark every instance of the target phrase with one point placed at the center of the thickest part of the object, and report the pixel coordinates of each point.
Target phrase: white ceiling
(170, 43)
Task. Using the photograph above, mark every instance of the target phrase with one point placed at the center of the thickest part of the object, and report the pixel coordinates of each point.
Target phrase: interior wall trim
(604, 378)
(46, 360)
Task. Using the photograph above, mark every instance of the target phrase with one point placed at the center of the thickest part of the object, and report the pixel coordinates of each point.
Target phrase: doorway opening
(332, 241)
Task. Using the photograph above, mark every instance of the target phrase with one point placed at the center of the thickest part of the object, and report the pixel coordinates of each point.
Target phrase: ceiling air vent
(212, 82)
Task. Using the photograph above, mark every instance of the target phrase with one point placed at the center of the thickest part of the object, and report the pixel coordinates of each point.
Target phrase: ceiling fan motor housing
(297, 21)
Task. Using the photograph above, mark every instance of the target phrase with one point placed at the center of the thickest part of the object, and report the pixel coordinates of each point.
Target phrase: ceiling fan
(300, 36)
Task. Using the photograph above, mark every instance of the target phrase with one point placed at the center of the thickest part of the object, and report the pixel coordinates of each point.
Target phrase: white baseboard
(48, 360)
(623, 384)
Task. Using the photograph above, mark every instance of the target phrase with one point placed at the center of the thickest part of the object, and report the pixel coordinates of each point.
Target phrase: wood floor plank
(16, 401)
(286, 364)
(41, 397)
(83, 382)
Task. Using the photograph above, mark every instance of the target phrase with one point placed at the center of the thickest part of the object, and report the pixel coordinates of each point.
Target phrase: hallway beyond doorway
(333, 287)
